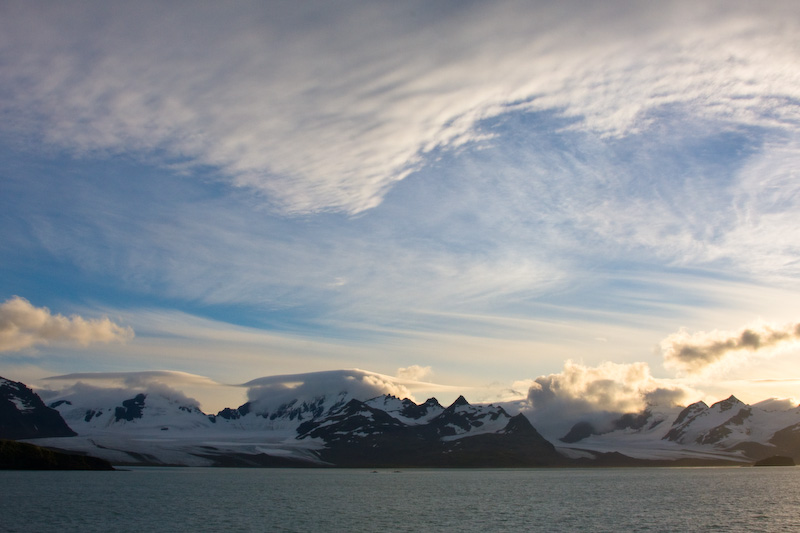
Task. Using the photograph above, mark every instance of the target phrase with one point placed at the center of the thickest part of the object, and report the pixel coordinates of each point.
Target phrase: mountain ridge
(339, 427)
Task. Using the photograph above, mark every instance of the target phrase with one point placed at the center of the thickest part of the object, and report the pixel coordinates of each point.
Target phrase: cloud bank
(597, 394)
(694, 353)
(620, 388)
(22, 326)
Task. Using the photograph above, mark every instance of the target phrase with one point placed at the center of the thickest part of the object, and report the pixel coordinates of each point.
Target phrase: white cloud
(92, 394)
(764, 237)
(93, 388)
(777, 404)
(269, 393)
(328, 112)
(22, 326)
(620, 388)
(597, 394)
(414, 372)
(136, 379)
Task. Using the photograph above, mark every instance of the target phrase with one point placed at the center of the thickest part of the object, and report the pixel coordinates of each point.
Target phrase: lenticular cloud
(272, 391)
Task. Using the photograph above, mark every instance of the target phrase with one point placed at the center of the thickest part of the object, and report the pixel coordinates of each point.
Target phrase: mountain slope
(23, 414)
(329, 428)
(728, 428)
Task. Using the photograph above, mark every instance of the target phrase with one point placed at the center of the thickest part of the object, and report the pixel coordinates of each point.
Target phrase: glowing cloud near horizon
(692, 353)
(23, 325)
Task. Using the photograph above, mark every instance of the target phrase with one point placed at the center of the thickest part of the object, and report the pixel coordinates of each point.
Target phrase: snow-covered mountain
(320, 418)
(332, 428)
(728, 429)
(351, 418)
(358, 434)
(405, 410)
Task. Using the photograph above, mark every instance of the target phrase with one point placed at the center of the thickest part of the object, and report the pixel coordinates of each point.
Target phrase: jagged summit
(359, 434)
(459, 402)
(729, 403)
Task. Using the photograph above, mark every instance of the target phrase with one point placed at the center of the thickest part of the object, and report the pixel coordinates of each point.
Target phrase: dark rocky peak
(432, 402)
(722, 431)
(578, 432)
(633, 420)
(415, 412)
(405, 401)
(690, 412)
(389, 401)
(446, 423)
(353, 407)
(23, 414)
(685, 418)
(714, 435)
(520, 424)
(130, 409)
(232, 414)
(740, 417)
(18, 393)
(460, 402)
(408, 404)
(729, 403)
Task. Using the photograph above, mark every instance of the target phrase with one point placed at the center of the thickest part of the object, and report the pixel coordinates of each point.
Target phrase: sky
(590, 204)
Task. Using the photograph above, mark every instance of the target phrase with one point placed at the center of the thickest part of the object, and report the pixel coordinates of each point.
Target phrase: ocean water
(205, 499)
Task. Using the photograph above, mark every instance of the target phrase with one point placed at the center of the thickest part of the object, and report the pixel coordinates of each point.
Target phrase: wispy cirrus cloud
(528, 177)
(579, 112)
(332, 114)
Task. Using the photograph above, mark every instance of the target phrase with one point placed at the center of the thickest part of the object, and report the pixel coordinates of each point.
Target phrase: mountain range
(342, 427)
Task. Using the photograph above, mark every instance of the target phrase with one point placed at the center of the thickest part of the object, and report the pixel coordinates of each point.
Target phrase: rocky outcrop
(23, 414)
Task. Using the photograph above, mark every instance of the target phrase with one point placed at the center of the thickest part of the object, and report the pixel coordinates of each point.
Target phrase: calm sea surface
(204, 499)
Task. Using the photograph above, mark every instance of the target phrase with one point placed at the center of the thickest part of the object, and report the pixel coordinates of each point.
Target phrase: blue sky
(485, 191)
